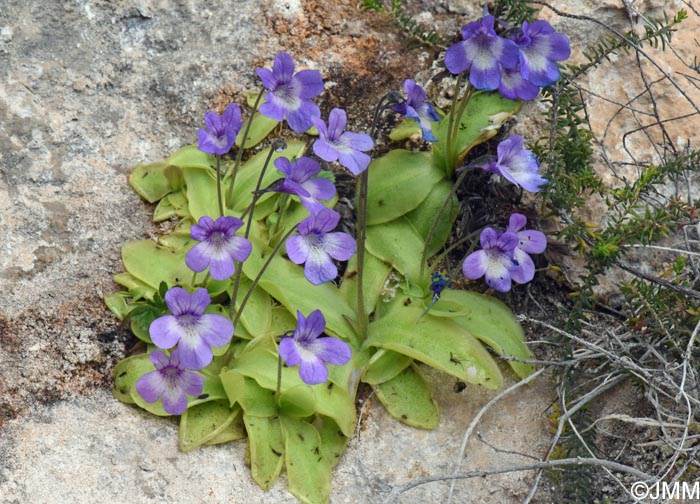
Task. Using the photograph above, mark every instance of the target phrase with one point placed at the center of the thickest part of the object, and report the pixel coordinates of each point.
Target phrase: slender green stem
(260, 274)
(449, 249)
(218, 185)
(449, 147)
(194, 277)
(438, 216)
(239, 157)
(458, 107)
(251, 208)
(280, 215)
(362, 316)
(277, 145)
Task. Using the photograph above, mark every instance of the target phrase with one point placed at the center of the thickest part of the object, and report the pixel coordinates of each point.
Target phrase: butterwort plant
(262, 313)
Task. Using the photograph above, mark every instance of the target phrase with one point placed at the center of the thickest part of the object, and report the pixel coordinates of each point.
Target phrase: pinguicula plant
(248, 330)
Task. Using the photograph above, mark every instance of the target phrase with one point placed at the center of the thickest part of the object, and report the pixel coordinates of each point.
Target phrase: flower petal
(523, 269)
(301, 119)
(456, 59)
(165, 332)
(289, 352)
(337, 120)
(355, 161)
(310, 327)
(324, 150)
(319, 188)
(297, 249)
(195, 353)
(221, 268)
(532, 242)
(216, 330)
(516, 222)
(283, 67)
(272, 109)
(198, 257)
(192, 383)
(333, 350)
(311, 83)
(340, 246)
(475, 265)
(151, 386)
(313, 371)
(267, 78)
(199, 301)
(174, 400)
(319, 267)
(357, 141)
(159, 359)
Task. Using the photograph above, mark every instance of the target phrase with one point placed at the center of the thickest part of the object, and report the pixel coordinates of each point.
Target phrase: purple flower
(515, 86)
(416, 107)
(194, 331)
(334, 143)
(290, 94)
(482, 51)
(218, 246)
(316, 246)
(529, 242)
(221, 130)
(299, 180)
(170, 381)
(540, 48)
(494, 261)
(310, 352)
(516, 164)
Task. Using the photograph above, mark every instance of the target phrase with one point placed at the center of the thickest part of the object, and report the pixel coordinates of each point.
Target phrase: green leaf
(116, 303)
(259, 362)
(191, 157)
(213, 390)
(308, 471)
(152, 264)
(438, 342)
(201, 193)
(153, 181)
(397, 244)
(172, 205)
(492, 322)
(137, 288)
(407, 128)
(385, 365)
(266, 449)
(285, 282)
(333, 441)
(408, 398)
(234, 432)
(482, 118)
(126, 373)
(205, 422)
(259, 129)
(422, 217)
(398, 182)
(257, 313)
(298, 402)
(375, 274)
(254, 399)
